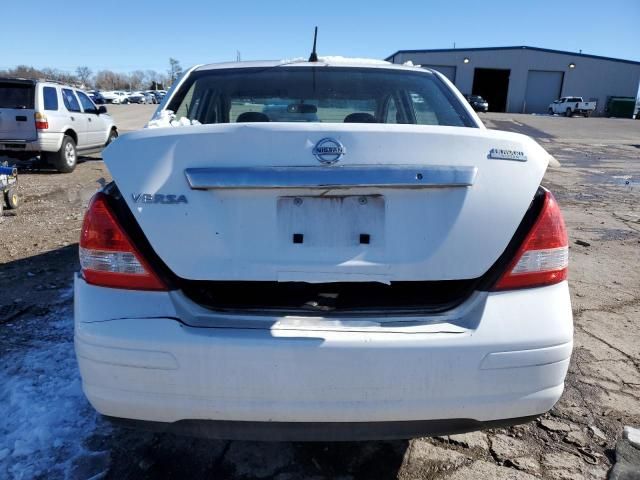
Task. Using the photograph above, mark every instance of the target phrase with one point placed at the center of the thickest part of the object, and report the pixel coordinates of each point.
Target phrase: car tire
(113, 134)
(66, 159)
(550, 111)
(11, 197)
(568, 112)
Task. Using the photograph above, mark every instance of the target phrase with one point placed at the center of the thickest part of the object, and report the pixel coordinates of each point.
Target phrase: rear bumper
(504, 357)
(46, 142)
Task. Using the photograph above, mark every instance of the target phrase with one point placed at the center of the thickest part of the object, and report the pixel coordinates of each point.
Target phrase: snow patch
(45, 419)
(167, 118)
(633, 435)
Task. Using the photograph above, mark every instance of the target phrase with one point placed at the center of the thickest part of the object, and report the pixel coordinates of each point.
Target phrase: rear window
(318, 94)
(50, 97)
(16, 95)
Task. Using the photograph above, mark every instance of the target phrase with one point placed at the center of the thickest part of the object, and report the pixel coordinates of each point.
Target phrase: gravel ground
(47, 430)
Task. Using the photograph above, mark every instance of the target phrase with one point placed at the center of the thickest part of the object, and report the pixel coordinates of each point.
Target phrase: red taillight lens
(108, 257)
(543, 257)
(42, 123)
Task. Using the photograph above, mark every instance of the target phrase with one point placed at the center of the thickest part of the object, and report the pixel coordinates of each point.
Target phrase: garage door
(446, 70)
(543, 87)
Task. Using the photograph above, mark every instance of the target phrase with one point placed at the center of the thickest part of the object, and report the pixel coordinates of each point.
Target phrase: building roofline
(523, 47)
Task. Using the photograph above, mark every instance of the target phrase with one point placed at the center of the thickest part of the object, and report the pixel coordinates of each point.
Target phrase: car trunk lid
(251, 202)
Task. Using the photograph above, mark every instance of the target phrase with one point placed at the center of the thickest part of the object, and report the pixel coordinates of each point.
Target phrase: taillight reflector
(543, 257)
(42, 123)
(108, 257)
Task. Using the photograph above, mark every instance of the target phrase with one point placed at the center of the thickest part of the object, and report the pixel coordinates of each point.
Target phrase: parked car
(569, 106)
(97, 97)
(115, 96)
(159, 95)
(478, 103)
(149, 97)
(53, 120)
(323, 280)
(137, 97)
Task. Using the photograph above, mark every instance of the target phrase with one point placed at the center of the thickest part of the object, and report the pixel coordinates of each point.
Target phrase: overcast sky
(129, 35)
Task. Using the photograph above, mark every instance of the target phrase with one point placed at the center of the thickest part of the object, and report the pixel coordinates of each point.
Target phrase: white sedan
(378, 265)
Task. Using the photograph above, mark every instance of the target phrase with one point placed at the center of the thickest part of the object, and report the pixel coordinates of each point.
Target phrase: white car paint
(441, 219)
(506, 357)
(161, 357)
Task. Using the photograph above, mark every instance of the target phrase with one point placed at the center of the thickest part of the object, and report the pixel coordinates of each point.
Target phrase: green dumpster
(621, 107)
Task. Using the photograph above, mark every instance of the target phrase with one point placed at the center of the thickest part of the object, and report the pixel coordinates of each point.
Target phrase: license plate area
(332, 221)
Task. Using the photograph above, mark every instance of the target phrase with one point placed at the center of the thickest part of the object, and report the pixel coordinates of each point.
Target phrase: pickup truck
(572, 105)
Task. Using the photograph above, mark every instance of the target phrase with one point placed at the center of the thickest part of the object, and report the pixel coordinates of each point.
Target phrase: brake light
(543, 257)
(42, 123)
(108, 257)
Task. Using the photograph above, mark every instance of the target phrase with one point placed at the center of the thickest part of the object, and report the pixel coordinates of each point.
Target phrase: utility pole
(238, 55)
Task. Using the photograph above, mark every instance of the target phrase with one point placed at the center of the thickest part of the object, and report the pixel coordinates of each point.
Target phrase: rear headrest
(245, 117)
(360, 117)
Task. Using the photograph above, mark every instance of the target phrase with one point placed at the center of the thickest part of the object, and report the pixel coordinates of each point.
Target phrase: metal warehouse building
(527, 79)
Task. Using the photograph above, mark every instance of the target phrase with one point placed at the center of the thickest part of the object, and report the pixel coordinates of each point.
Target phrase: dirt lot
(47, 430)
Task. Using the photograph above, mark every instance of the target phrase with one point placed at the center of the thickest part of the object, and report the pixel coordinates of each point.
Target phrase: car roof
(328, 61)
(32, 81)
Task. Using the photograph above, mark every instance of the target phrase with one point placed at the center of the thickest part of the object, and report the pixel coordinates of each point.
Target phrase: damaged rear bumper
(501, 356)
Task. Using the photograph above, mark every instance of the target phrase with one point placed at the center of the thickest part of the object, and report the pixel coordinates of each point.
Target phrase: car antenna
(314, 56)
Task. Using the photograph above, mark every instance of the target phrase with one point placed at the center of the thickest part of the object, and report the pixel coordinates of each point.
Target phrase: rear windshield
(16, 95)
(318, 94)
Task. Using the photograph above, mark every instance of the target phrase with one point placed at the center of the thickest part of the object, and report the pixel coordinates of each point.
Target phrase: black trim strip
(491, 276)
(318, 431)
(130, 225)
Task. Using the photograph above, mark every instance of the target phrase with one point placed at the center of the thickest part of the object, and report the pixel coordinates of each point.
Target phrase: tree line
(102, 79)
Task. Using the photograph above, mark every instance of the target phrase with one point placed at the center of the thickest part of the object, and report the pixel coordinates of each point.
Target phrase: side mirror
(102, 109)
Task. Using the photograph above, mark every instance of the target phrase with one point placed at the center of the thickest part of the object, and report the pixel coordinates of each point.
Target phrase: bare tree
(136, 79)
(175, 70)
(24, 71)
(84, 75)
(108, 80)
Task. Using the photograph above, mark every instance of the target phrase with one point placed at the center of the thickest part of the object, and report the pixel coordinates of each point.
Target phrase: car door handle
(72, 118)
(89, 119)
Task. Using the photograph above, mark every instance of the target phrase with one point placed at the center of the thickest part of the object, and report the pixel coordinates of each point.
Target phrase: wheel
(1, 208)
(65, 159)
(11, 197)
(113, 134)
(568, 113)
(587, 114)
(550, 111)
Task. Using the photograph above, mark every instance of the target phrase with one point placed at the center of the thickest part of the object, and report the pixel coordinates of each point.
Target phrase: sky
(142, 35)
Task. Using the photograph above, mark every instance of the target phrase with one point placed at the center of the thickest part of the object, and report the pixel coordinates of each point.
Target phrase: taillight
(42, 123)
(543, 257)
(108, 257)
